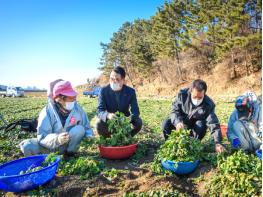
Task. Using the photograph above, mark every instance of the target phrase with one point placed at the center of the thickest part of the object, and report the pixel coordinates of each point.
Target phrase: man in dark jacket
(194, 110)
(117, 97)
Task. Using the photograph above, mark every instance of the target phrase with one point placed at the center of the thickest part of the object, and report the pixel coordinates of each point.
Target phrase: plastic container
(117, 152)
(181, 168)
(11, 181)
(223, 130)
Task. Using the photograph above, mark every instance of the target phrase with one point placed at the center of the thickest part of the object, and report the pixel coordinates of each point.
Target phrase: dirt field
(130, 177)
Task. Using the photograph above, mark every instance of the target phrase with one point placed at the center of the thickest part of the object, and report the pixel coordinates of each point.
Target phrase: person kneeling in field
(245, 124)
(195, 111)
(62, 124)
(117, 97)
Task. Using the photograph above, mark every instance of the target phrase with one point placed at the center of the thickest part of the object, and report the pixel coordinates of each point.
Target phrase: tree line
(210, 29)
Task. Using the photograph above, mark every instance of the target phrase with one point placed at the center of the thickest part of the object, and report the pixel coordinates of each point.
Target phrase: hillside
(218, 41)
(219, 79)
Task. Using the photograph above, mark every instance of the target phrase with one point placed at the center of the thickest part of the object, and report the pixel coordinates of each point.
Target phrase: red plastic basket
(117, 152)
(223, 130)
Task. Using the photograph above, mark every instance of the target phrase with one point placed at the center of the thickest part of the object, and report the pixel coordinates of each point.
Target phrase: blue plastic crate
(11, 181)
(180, 167)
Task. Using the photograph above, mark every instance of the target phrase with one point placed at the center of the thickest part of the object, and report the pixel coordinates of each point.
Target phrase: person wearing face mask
(117, 96)
(62, 124)
(255, 102)
(245, 124)
(194, 110)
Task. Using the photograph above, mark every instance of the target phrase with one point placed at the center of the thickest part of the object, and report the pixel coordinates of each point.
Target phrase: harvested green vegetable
(120, 130)
(179, 147)
(238, 175)
(50, 159)
(86, 167)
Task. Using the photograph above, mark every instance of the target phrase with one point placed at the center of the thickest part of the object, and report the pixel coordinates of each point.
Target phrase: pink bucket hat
(63, 88)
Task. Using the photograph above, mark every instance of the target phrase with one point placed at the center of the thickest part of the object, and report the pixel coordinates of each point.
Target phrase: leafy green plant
(111, 174)
(155, 193)
(41, 191)
(238, 175)
(120, 130)
(50, 159)
(141, 152)
(86, 167)
(29, 170)
(179, 147)
(209, 155)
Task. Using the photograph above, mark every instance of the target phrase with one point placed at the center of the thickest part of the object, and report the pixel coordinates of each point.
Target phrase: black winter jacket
(183, 110)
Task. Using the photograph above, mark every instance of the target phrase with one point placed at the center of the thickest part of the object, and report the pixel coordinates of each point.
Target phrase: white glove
(111, 116)
(179, 126)
(63, 138)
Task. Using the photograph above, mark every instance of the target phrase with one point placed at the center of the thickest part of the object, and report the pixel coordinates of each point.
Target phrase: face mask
(197, 102)
(70, 105)
(115, 86)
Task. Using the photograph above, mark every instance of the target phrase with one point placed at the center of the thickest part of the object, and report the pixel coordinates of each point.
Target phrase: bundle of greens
(238, 175)
(50, 159)
(120, 130)
(179, 147)
(87, 167)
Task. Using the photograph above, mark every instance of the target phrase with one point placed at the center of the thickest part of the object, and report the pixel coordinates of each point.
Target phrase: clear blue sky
(42, 40)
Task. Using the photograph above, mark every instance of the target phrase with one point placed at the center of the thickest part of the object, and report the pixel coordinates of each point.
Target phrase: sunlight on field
(153, 112)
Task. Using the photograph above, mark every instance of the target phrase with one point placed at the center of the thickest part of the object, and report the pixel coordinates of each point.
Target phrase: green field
(89, 175)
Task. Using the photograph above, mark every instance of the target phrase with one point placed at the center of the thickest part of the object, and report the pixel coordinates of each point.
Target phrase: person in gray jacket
(245, 124)
(62, 124)
(195, 111)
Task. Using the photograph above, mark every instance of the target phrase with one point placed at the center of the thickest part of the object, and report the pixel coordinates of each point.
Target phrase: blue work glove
(236, 143)
(89, 133)
(259, 153)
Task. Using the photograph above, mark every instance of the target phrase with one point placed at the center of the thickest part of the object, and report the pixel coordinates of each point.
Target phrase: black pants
(102, 127)
(198, 128)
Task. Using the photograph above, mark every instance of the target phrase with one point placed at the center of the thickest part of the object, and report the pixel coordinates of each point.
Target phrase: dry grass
(219, 84)
(36, 94)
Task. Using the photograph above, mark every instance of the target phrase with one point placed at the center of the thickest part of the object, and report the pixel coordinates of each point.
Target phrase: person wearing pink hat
(62, 124)
(51, 87)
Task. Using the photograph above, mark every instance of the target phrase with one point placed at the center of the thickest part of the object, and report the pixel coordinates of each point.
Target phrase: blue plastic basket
(259, 153)
(11, 181)
(180, 167)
